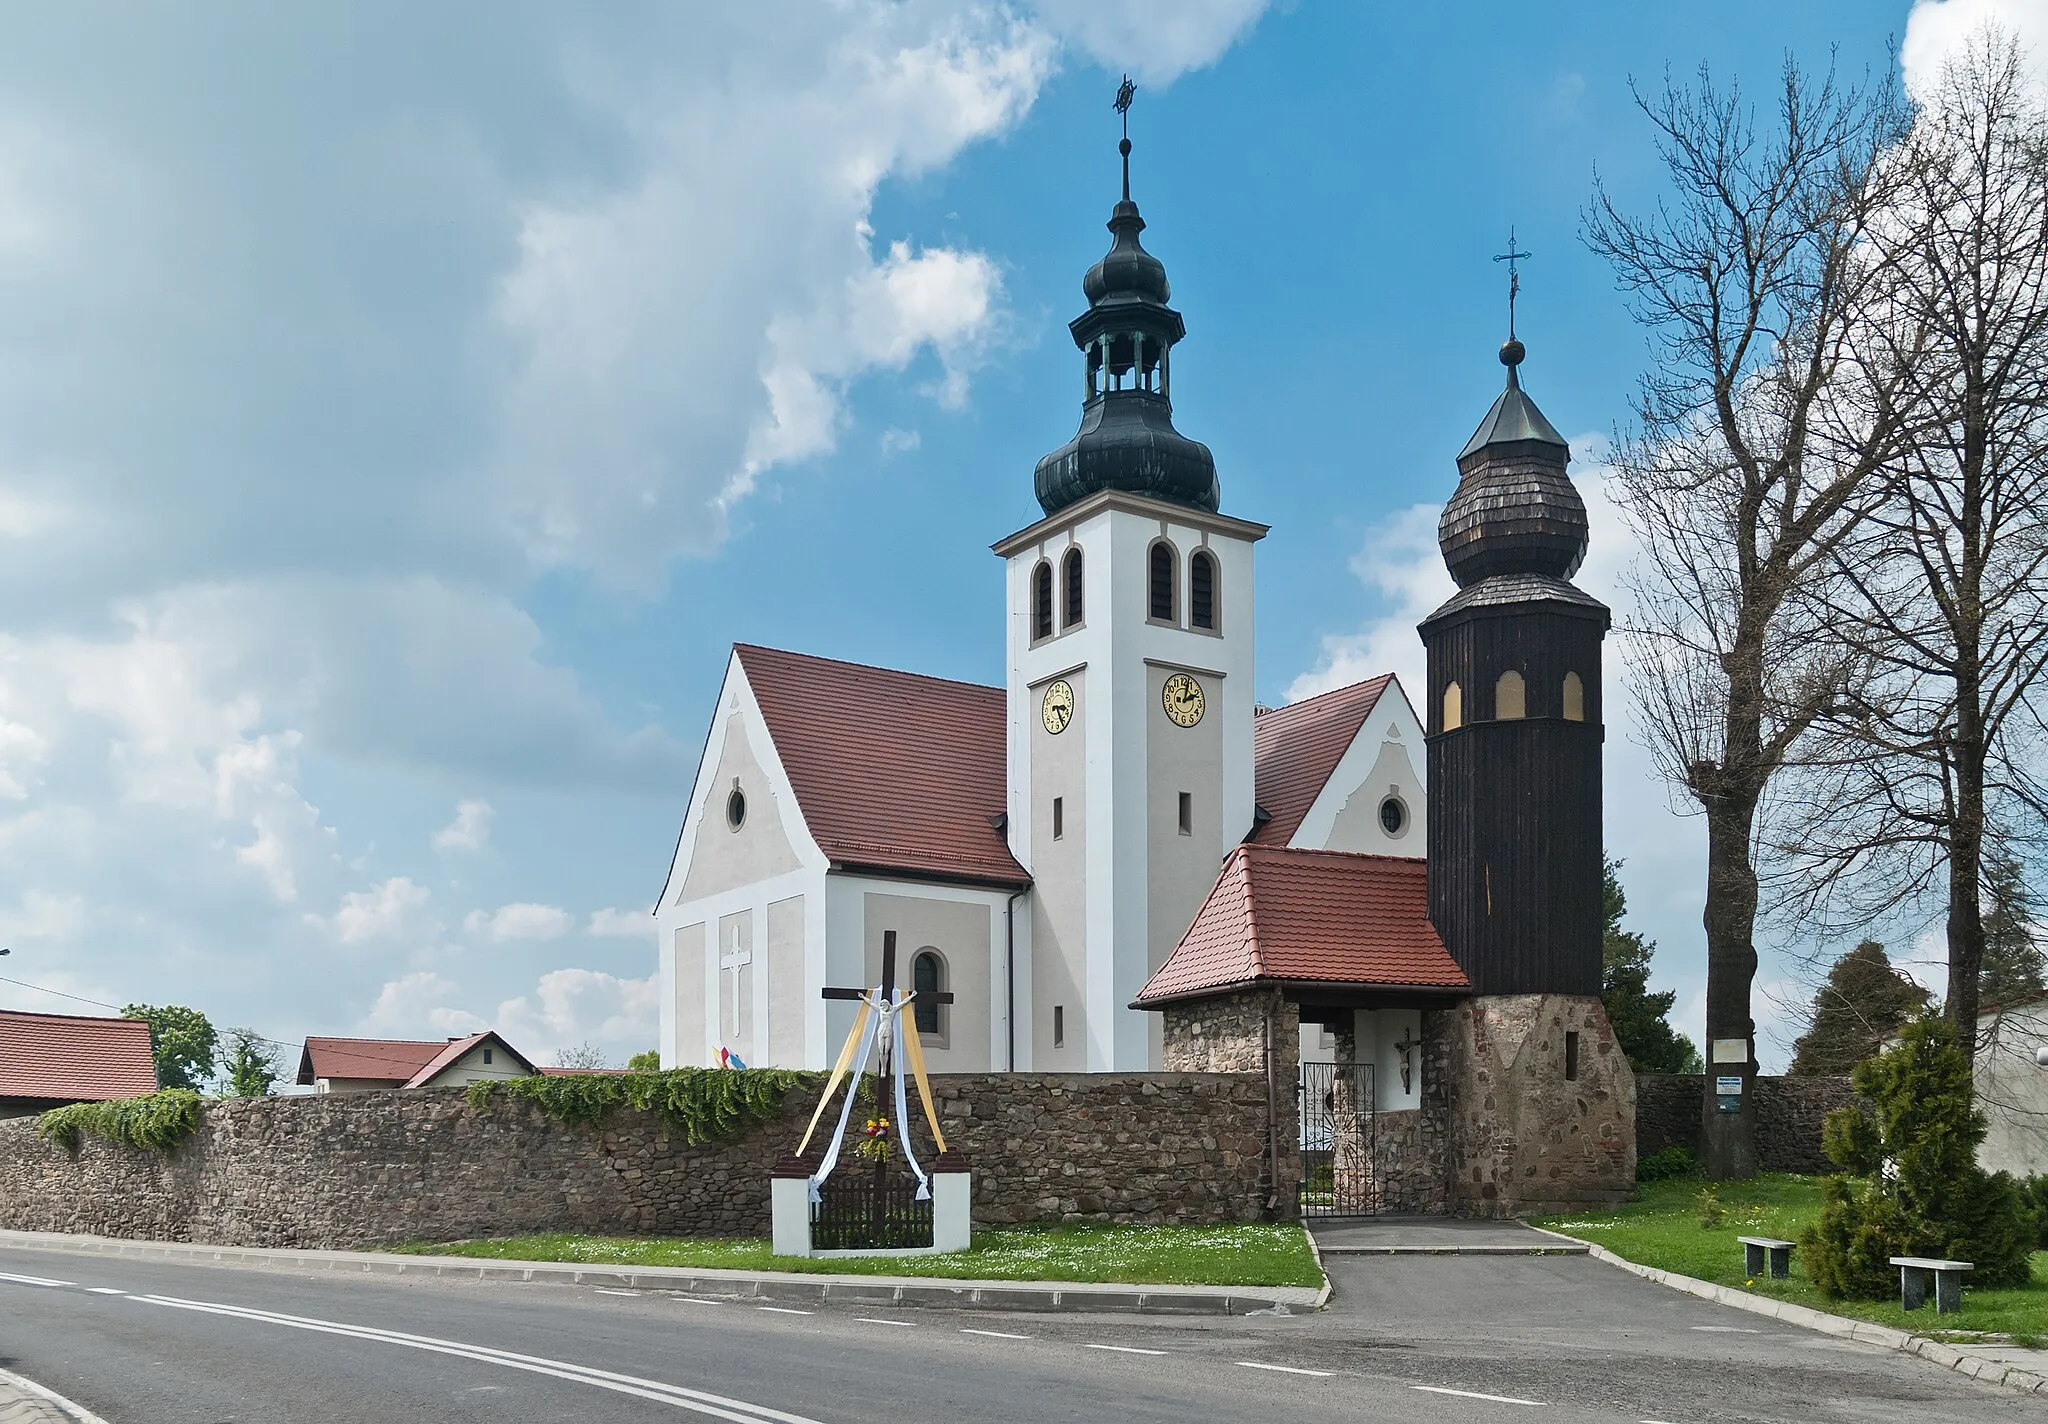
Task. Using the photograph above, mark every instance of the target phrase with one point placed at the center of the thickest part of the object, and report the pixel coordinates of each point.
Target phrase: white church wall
(1377, 1033)
(1059, 899)
(737, 963)
(1183, 859)
(724, 855)
(1384, 759)
(2012, 1090)
(966, 925)
(786, 998)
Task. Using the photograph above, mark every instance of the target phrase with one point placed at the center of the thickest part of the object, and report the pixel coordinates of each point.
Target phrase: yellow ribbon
(913, 1049)
(860, 1023)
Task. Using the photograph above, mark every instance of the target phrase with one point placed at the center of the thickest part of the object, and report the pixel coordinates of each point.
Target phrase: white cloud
(897, 441)
(469, 831)
(519, 921)
(569, 1006)
(1156, 40)
(620, 924)
(414, 1007)
(1936, 29)
(393, 909)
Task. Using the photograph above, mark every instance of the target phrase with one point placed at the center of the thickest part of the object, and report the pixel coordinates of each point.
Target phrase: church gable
(1297, 749)
(1372, 802)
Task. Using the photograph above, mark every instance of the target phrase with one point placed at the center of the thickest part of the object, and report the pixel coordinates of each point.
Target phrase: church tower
(1514, 715)
(1129, 691)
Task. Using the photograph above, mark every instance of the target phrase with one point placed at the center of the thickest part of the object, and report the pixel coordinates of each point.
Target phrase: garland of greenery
(155, 1123)
(704, 1104)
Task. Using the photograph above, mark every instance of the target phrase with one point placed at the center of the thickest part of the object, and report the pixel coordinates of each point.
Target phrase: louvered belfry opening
(1515, 732)
(1160, 605)
(1202, 590)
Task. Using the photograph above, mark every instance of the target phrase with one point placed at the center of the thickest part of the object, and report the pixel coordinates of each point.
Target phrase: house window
(1571, 1057)
(1510, 697)
(1187, 813)
(487, 1057)
(1161, 605)
(927, 980)
(1202, 590)
(1059, 1025)
(1454, 707)
(1073, 582)
(1393, 815)
(736, 808)
(1574, 698)
(1059, 817)
(1041, 601)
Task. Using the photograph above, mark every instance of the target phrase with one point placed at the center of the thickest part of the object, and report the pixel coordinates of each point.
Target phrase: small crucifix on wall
(1406, 1048)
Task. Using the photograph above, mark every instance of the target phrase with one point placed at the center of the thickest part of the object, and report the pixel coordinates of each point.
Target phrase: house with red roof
(49, 1060)
(360, 1065)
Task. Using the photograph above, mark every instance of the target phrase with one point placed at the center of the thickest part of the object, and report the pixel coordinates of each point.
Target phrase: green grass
(1250, 1255)
(1661, 1228)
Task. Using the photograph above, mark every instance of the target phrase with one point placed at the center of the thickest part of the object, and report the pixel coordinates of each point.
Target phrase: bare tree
(1944, 589)
(1745, 471)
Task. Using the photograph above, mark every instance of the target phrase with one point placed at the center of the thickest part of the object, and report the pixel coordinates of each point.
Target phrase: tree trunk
(1728, 1150)
(1965, 872)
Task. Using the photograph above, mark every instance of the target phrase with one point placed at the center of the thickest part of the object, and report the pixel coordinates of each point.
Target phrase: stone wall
(1789, 1113)
(1256, 1033)
(1524, 1138)
(421, 1165)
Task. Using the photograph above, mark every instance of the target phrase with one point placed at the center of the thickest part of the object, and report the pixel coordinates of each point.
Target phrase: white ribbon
(924, 1191)
(846, 1109)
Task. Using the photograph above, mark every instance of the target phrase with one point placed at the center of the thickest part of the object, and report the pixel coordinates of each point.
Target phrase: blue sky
(401, 412)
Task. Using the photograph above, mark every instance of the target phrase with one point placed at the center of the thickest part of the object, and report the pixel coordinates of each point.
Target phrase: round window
(1393, 816)
(736, 808)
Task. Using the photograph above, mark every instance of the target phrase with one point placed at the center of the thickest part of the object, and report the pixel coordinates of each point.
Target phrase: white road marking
(876, 1320)
(1285, 1369)
(695, 1300)
(1728, 1329)
(33, 1280)
(994, 1334)
(718, 1406)
(1470, 1394)
(601, 1290)
(104, 1290)
(77, 1413)
(784, 1310)
(1124, 1349)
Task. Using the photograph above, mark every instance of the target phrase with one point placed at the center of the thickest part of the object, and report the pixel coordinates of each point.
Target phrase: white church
(1039, 848)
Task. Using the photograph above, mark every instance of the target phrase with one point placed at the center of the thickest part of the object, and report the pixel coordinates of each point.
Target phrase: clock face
(1058, 708)
(1182, 698)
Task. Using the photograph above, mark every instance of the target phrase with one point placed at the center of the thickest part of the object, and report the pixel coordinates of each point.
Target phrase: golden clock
(1182, 699)
(1057, 711)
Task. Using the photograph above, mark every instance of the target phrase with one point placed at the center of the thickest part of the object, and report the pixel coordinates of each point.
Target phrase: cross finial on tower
(1511, 257)
(1125, 92)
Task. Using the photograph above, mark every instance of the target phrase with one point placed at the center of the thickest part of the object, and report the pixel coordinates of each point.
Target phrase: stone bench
(1916, 1271)
(1757, 1250)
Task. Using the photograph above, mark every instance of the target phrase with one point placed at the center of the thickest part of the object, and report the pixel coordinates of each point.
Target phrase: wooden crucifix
(888, 992)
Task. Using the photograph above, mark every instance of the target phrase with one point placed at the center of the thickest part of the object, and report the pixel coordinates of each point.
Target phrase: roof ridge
(1270, 848)
(1382, 678)
(74, 1018)
(865, 667)
(1251, 923)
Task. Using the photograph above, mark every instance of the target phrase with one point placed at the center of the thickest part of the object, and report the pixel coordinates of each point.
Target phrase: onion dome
(1515, 511)
(1127, 440)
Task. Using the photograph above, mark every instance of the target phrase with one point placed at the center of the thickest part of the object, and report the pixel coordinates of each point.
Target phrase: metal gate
(1339, 1161)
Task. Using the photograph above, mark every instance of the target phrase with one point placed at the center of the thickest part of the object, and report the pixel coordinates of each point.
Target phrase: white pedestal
(952, 1199)
(789, 1209)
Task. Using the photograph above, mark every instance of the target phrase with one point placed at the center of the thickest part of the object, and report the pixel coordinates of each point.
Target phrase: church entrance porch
(1340, 1173)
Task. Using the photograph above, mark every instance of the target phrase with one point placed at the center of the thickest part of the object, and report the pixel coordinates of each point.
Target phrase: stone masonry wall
(1789, 1112)
(421, 1165)
(1525, 1139)
(1236, 1033)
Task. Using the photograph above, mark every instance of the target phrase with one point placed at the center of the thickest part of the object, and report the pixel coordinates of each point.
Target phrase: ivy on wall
(155, 1123)
(703, 1104)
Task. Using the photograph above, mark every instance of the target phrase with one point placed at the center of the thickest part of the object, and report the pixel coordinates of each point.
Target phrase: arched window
(1041, 601)
(1202, 590)
(1073, 582)
(927, 981)
(1162, 601)
(1454, 707)
(1574, 698)
(1510, 697)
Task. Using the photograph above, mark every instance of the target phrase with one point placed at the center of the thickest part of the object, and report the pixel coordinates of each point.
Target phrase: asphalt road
(1414, 1337)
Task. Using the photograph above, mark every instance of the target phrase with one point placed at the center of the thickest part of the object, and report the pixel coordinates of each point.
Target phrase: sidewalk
(23, 1401)
(747, 1285)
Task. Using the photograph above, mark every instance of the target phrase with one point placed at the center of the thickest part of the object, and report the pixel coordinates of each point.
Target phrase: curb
(1984, 1371)
(23, 1401)
(1573, 1249)
(1048, 1296)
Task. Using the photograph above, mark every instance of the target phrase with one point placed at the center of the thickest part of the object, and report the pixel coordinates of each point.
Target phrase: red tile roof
(893, 771)
(392, 1060)
(1309, 916)
(73, 1058)
(1295, 749)
(455, 1048)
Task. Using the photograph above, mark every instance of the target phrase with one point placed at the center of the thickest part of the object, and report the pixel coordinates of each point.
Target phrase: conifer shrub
(1912, 1185)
